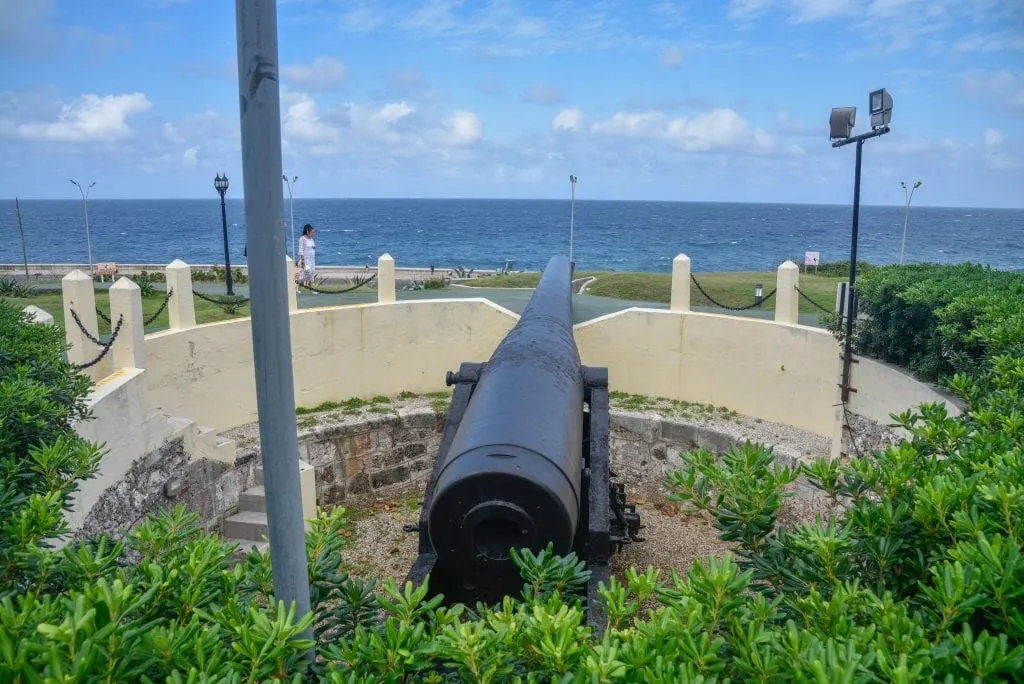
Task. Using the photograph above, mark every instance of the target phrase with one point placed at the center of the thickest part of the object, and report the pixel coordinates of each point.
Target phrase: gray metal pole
(260, 113)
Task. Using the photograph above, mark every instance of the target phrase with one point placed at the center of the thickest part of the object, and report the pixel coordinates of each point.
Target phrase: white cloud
(719, 129)
(993, 138)
(819, 10)
(323, 73)
(363, 18)
(568, 120)
(300, 120)
(464, 128)
(1004, 88)
(746, 10)
(543, 93)
(671, 57)
(90, 118)
(190, 156)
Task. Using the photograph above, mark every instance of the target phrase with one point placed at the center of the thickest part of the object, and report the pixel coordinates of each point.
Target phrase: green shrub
(435, 284)
(11, 287)
(919, 577)
(42, 460)
(938, 319)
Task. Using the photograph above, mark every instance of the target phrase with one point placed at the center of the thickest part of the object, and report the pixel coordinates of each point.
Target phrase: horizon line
(517, 199)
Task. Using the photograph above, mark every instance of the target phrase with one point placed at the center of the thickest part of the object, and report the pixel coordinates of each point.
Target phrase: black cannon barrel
(512, 474)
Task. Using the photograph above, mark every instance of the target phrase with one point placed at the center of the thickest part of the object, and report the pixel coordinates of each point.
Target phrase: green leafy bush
(42, 460)
(11, 287)
(937, 319)
(918, 577)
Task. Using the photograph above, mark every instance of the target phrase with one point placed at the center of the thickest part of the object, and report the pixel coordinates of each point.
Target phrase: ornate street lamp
(221, 184)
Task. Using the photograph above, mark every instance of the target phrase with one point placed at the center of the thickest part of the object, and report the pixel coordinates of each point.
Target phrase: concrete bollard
(129, 349)
(181, 308)
(680, 283)
(385, 279)
(289, 279)
(79, 296)
(787, 299)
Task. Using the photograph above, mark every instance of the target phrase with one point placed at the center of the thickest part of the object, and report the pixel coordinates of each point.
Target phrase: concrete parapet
(129, 349)
(181, 309)
(787, 299)
(385, 279)
(680, 283)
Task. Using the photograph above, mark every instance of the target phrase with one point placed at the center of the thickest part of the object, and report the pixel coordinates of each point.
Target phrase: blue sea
(618, 235)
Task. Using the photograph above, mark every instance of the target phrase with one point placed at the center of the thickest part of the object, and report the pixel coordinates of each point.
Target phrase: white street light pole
(291, 211)
(908, 193)
(85, 201)
(572, 212)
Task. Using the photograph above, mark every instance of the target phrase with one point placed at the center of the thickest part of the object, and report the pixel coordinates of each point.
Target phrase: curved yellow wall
(206, 373)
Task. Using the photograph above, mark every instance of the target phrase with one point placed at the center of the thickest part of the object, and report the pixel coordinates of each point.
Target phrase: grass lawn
(731, 289)
(50, 301)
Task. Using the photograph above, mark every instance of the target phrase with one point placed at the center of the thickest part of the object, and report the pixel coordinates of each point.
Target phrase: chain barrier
(730, 308)
(359, 282)
(221, 302)
(88, 335)
(102, 315)
(105, 348)
(156, 314)
(813, 303)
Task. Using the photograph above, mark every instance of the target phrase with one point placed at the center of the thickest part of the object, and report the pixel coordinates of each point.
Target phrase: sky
(640, 99)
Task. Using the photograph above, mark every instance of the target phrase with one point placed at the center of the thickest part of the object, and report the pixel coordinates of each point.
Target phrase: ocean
(608, 235)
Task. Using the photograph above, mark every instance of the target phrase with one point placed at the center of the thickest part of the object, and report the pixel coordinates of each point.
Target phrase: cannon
(524, 461)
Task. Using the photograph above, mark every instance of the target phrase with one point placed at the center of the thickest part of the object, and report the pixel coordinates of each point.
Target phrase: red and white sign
(812, 258)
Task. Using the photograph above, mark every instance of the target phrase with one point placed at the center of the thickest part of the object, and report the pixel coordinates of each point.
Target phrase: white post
(680, 283)
(181, 308)
(79, 296)
(787, 299)
(293, 295)
(385, 279)
(129, 349)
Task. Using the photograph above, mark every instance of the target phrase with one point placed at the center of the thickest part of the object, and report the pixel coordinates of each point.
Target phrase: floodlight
(880, 106)
(840, 124)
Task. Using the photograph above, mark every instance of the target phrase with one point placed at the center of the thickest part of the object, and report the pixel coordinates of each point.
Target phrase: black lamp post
(221, 183)
(841, 124)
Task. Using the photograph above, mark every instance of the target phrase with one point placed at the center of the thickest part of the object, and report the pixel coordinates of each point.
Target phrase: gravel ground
(379, 546)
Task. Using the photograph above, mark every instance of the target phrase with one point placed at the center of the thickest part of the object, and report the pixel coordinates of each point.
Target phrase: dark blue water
(625, 236)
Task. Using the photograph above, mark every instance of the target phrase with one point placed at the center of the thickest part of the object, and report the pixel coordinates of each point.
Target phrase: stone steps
(248, 527)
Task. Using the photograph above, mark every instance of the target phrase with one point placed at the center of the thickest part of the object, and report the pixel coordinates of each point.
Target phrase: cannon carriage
(524, 461)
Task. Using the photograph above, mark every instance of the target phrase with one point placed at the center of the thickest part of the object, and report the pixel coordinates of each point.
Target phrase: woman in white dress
(307, 255)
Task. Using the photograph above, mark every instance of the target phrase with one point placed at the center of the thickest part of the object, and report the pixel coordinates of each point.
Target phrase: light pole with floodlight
(291, 210)
(908, 193)
(85, 201)
(221, 184)
(572, 214)
(841, 124)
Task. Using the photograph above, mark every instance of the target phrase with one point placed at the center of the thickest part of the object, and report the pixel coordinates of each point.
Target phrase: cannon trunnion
(524, 461)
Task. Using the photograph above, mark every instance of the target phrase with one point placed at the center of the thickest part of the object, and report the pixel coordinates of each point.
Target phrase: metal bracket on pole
(260, 115)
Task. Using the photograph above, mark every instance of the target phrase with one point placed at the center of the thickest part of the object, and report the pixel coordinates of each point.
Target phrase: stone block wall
(380, 456)
(644, 448)
(206, 487)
